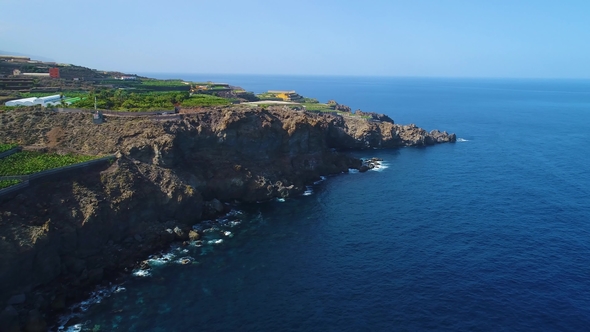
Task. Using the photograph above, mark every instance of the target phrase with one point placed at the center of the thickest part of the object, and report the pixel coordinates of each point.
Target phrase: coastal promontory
(64, 234)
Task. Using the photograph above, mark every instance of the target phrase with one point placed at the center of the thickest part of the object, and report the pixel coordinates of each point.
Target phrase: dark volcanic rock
(375, 116)
(61, 235)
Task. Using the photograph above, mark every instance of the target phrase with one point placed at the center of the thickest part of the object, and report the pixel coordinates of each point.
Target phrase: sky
(419, 38)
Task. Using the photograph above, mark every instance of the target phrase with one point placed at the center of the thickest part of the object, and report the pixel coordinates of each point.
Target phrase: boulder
(17, 299)
(193, 235)
(35, 322)
(9, 320)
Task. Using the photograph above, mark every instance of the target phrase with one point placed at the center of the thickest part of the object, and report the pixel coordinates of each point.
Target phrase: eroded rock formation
(64, 234)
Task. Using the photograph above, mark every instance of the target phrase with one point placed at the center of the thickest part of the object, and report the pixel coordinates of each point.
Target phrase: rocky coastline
(67, 234)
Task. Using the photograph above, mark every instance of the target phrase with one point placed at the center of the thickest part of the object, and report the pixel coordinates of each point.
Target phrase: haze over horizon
(501, 39)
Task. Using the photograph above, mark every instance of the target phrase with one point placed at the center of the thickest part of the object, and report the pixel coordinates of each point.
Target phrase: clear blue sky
(449, 38)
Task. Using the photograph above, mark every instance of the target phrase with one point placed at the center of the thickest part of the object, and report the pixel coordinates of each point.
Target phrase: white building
(36, 74)
(44, 101)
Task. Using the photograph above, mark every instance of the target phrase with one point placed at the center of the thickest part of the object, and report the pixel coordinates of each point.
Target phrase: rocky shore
(66, 234)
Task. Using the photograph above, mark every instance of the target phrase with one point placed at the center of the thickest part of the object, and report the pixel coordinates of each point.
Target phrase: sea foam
(322, 178)
(380, 167)
(79, 308)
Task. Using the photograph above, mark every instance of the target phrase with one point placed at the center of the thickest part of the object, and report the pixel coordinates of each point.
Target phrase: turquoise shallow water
(491, 233)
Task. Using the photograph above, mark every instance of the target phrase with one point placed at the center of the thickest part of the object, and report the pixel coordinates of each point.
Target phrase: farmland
(6, 147)
(29, 162)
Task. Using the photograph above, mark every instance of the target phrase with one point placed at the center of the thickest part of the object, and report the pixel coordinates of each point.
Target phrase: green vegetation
(28, 162)
(6, 147)
(169, 83)
(205, 100)
(8, 108)
(268, 96)
(130, 100)
(317, 107)
(68, 94)
(8, 183)
(120, 83)
(72, 100)
(148, 85)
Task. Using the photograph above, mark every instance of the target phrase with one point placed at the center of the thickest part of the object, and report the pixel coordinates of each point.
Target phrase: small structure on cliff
(97, 117)
(290, 95)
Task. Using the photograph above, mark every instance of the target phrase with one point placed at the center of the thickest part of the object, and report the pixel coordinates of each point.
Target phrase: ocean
(491, 233)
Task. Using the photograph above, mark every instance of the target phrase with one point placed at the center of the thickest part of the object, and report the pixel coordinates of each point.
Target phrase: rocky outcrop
(64, 234)
(370, 164)
(358, 133)
(374, 116)
(339, 107)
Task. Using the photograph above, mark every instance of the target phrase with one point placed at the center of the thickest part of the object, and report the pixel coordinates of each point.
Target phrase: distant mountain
(33, 57)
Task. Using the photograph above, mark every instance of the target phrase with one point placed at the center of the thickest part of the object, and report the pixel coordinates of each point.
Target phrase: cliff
(64, 234)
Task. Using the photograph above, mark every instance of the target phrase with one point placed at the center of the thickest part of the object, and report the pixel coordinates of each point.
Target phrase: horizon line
(141, 73)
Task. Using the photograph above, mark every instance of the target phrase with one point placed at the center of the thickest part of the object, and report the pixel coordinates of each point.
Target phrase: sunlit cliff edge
(65, 234)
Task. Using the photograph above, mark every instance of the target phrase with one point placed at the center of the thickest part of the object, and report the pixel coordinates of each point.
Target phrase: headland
(62, 235)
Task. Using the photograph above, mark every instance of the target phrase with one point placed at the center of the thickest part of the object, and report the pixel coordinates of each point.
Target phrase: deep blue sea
(491, 233)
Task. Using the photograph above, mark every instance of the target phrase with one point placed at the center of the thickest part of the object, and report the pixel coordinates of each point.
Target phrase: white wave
(234, 213)
(234, 223)
(462, 140)
(185, 260)
(77, 309)
(382, 165)
(142, 273)
(161, 260)
(119, 289)
(308, 191)
(73, 328)
(282, 200)
(218, 241)
(353, 171)
(322, 178)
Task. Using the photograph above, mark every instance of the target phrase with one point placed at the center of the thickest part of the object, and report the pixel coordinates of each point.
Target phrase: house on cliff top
(290, 95)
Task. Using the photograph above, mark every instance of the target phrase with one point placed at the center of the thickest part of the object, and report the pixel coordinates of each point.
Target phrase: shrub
(28, 162)
(8, 183)
(6, 147)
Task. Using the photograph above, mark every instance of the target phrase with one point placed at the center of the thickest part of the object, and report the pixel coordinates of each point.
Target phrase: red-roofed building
(54, 72)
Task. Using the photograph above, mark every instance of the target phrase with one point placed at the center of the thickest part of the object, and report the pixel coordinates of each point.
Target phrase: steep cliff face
(68, 232)
(227, 153)
(63, 234)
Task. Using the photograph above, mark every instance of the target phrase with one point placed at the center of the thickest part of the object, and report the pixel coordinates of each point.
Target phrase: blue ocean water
(491, 233)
